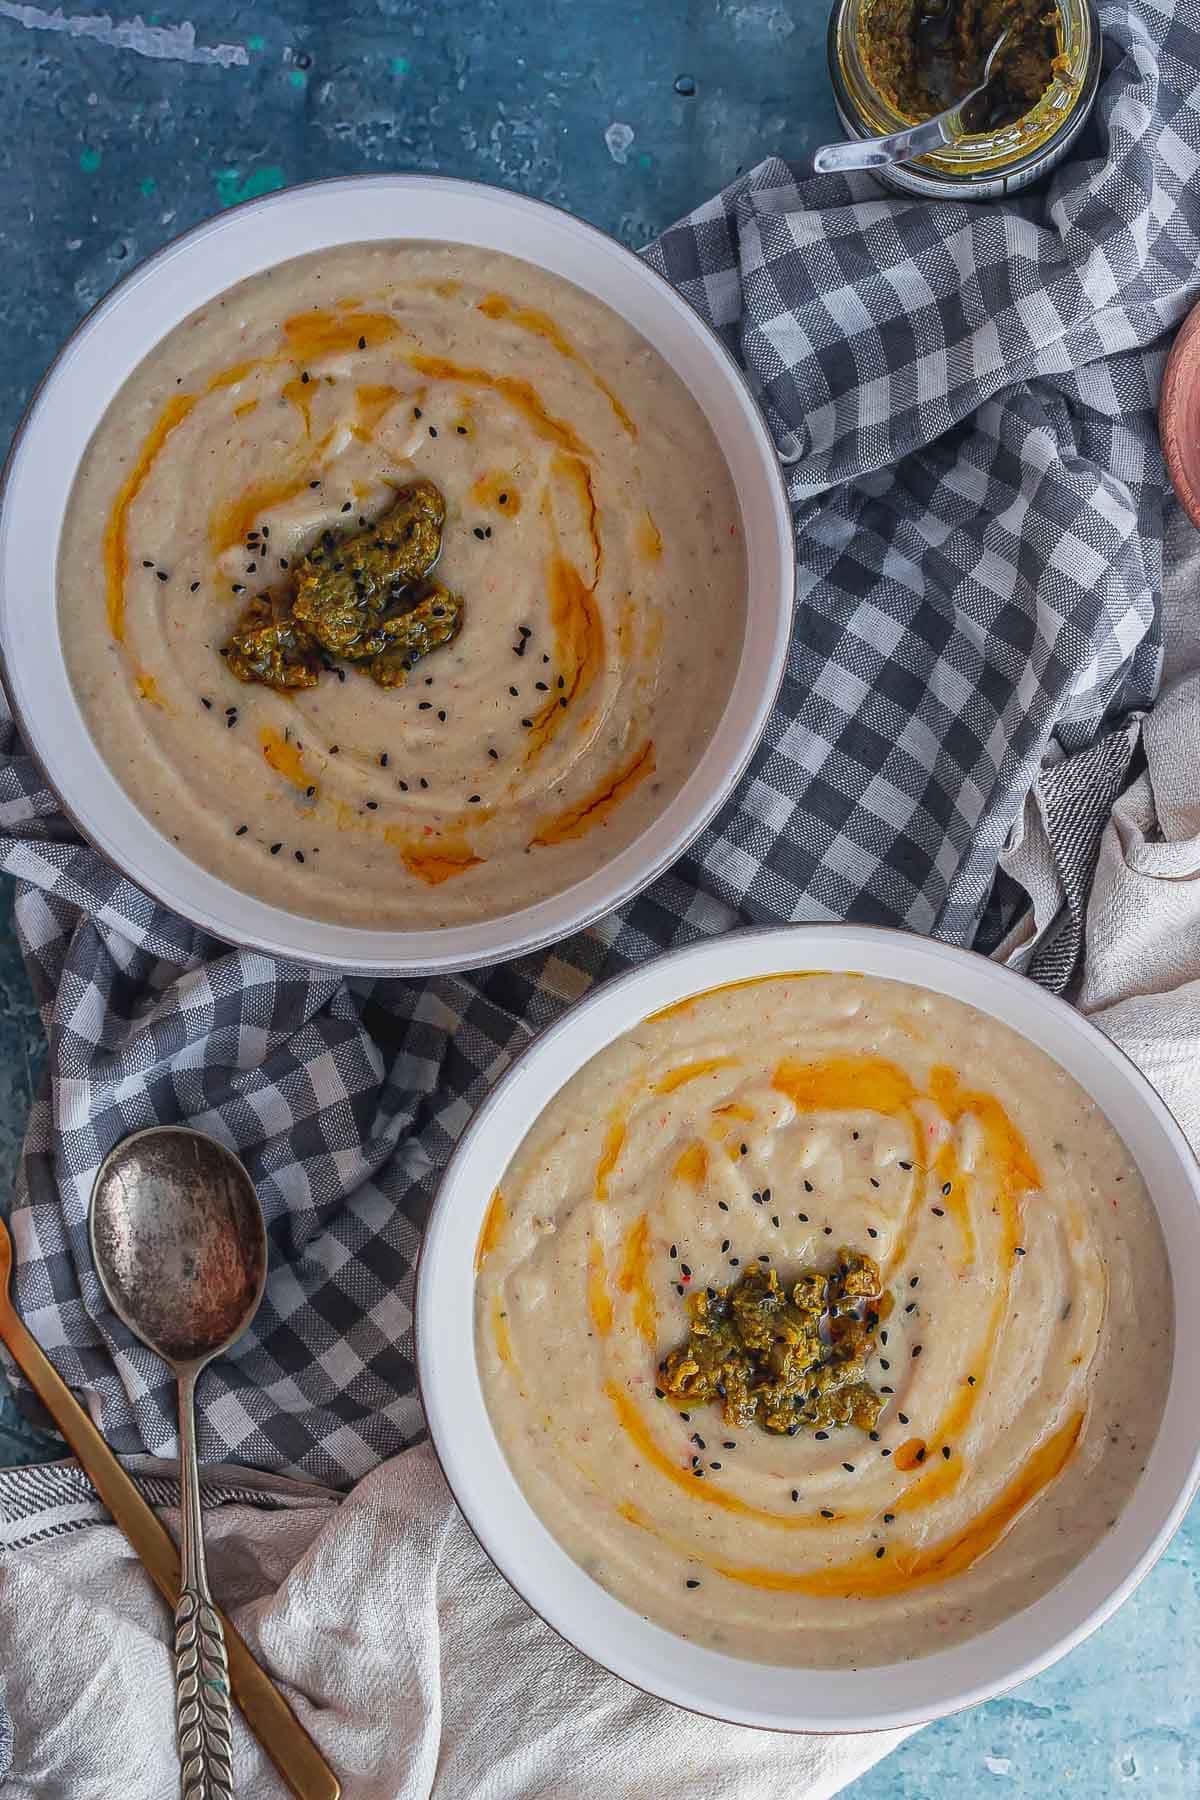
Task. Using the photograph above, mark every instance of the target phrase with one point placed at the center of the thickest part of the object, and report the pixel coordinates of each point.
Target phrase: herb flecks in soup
(704, 1167)
(786, 1361)
(530, 712)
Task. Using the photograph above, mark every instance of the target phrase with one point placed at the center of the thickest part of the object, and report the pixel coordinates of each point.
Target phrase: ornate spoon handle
(202, 1704)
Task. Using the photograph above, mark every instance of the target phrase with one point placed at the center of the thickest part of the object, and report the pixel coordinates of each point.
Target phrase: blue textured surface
(120, 134)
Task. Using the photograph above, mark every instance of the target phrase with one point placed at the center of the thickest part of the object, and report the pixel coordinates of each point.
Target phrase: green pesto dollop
(363, 597)
(785, 1360)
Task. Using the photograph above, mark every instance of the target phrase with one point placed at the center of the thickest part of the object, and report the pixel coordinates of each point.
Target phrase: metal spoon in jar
(180, 1246)
(918, 140)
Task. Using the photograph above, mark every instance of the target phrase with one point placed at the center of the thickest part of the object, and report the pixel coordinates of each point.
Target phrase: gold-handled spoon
(264, 1708)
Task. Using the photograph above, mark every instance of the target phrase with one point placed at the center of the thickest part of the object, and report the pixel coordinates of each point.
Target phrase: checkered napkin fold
(965, 396)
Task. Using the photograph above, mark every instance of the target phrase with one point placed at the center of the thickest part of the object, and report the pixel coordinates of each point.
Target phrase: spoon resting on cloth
(180, 1246)
(264, 1708)
(917, 140)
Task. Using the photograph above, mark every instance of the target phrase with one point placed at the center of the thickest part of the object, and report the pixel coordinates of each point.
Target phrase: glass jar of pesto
(894, 62)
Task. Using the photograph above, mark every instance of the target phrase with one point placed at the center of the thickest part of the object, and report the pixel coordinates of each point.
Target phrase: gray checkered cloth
(968, 393)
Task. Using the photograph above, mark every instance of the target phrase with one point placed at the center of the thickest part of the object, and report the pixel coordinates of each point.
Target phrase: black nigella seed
(524, 631)
(916, 1350)
(714, 1465)
(1018, 1251)
(684, 1270)
(441, 716)
(416, 412)
(808, 1187)
(825, 1513)
(514, 692)
(729, 1443)
(206, 703)
(871, 1231)
(502, 499)
(403, 786)
(880, 1551)
(528, 724)
(424, 783)
(854, 1135)
(542, 687)
(733, 1261)
(472, 799)
(314, 484)
(494, 754)
(162, 575)
(914, 1281)
(299, 854)
(433, 431)
(884, 1363)
(304, 377)
(424, 705)
(724, 1205)
(946, 1451)
(767, 1196)
(231, 721)
(679, 1288)
(250, 568)
(372, 806)
(275, 849)
(658, 1394)
(241, 831)
(803, 1218)
(347, 507)
(874, 1436)
(906, 1165)
(686, 1416)
(146, 563)
(873, 1181)
(194, 587)
(945, 1187)
(795, 1495)
(674, 1251)
(764, 1257)
(822, 1434)
(903, 1418)
(889, 1518)
(383, 759)
(479, 531)
(362, 343)
(309, 792)
(849, 1468)
(775, 1219)
(461, 430)
(237, 588)
(970, 1381)
(939, 1212)
(692, 1582)
(699, 1441)
(828, 1230)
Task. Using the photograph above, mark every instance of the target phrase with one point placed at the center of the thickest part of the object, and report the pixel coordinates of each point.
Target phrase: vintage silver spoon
(917, 140)
(180, 1246)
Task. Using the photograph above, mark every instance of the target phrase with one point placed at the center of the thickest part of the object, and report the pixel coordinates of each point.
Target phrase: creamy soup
(591, 531)
(1021, 1345)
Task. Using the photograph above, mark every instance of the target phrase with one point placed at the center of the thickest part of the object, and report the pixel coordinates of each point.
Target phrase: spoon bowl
(915, 140)
(179, 1242)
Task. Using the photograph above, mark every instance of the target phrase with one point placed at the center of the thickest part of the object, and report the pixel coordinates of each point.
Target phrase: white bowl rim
(89, 795)
(798, 1700)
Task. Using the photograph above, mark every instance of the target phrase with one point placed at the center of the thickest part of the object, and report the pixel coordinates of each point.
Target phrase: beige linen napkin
(412, 1662)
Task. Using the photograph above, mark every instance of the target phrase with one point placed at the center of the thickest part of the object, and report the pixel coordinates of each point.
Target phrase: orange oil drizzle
(693, 1071)
(905, 1568)
(311, 335)
(540, 324)
(500, 1332)
(600, 804)
(599, 1303)
(692, 1165)
(648, 538)
(492, 1229)
(634, 1278)
(116, 546)
(521, 395)
(614, 1143)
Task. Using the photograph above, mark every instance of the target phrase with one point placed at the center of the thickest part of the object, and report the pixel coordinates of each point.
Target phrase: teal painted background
(120, 132)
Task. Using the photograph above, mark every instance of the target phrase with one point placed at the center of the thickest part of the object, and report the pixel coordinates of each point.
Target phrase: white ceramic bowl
(609, 1632)
(156, 297)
